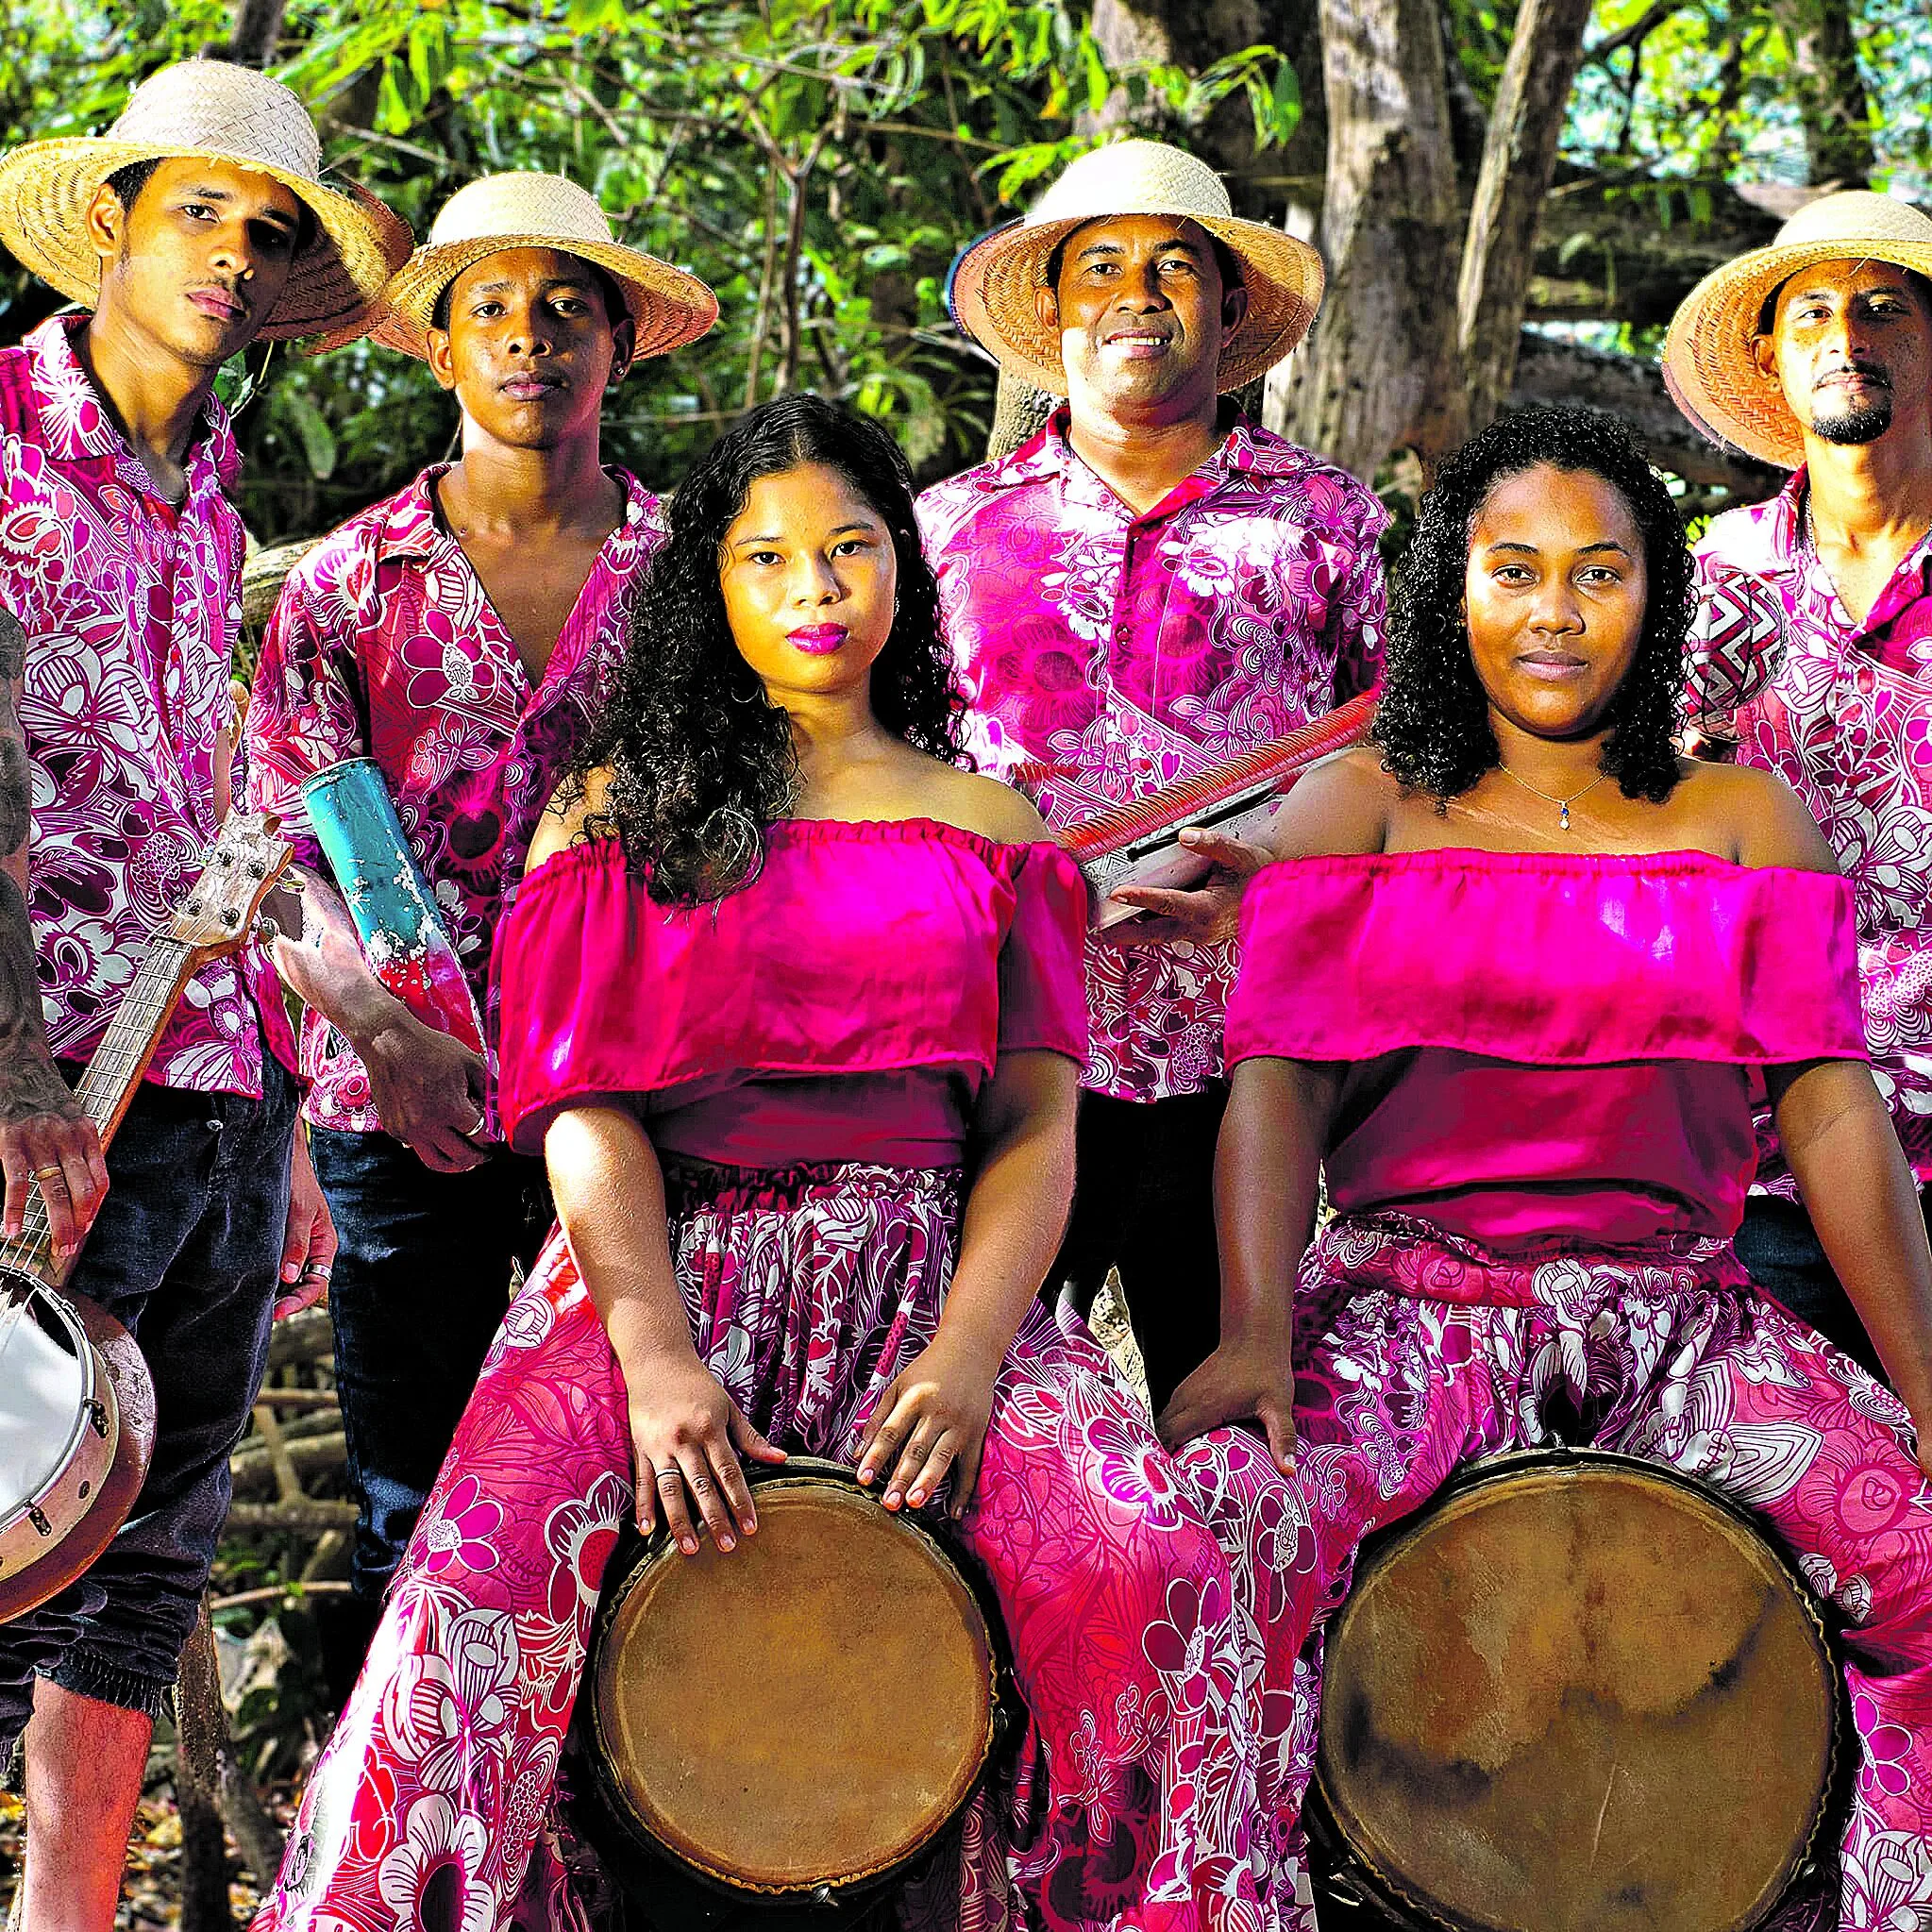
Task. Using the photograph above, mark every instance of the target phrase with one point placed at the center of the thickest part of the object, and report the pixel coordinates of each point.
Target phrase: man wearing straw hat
(1814, 649)
(1150, 586)
(457, 634)
(195, 226)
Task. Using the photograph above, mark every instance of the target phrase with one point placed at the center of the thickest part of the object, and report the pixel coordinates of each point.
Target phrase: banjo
(76, 1403)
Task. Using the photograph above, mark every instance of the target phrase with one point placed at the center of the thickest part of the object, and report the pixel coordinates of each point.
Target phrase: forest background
(1511, 201)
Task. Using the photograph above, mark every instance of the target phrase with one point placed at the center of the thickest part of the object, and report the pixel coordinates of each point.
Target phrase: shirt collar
(409, 531)
(1050, 455)
(1246, 450)
(1780, 527)
(77, 425)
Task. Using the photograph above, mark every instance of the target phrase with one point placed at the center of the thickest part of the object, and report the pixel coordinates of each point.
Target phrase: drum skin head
(807, 1712)
(28, 1587)
(1576, 1699)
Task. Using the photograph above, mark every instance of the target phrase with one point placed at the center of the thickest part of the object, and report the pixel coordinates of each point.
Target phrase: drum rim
(650, 1549)
(1488, 1470)
(94, 1389)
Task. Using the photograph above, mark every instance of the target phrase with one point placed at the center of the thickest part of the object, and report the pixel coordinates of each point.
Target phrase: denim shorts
(185, 1251)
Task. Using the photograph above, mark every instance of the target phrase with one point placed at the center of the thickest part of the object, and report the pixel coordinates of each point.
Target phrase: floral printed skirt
(1418, 1351)
(1141, 1595)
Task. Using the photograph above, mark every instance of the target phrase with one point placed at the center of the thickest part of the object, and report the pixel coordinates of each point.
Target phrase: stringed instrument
(1139, 843)
(76, 1402)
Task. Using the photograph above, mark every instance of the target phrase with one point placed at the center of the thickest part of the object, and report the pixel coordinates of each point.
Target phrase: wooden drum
(801, 1720)
(1579, 1692)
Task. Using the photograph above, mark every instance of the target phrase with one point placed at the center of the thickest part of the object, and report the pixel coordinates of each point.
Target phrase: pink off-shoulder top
(847, 1005)
(1546, 1047)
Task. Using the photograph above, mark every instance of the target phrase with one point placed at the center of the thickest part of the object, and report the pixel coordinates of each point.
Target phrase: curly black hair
(701, 760)
(1433, 719)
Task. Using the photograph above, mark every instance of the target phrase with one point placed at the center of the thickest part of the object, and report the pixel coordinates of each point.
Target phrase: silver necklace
(1562, 805)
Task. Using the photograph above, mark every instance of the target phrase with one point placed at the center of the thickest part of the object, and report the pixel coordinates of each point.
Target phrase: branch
(287, 1483)
(280, 1593)
(255, 1468)
(1639, 31)
(302, 1338)
(307, 1517)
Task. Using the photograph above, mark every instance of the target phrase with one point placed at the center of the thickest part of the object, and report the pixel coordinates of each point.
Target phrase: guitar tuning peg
(267, 931)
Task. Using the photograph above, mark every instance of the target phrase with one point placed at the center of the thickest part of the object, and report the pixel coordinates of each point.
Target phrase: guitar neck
(106, 1088)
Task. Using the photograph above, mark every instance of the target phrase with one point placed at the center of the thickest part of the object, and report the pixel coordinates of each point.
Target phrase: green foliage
(819, 162)
(1718, 87)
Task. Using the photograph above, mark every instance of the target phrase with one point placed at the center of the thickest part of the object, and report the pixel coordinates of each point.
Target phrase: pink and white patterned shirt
(132, 607)
(385, 646)
(1105, 655)
(1843, 712)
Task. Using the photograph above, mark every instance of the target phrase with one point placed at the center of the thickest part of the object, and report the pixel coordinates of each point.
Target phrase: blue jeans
(421, 1284)
(185, 1251)
(1781, 1253)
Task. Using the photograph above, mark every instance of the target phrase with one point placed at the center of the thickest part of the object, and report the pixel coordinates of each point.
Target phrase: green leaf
(317, 438)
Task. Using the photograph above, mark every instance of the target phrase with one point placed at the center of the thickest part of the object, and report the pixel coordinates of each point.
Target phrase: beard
(1854, 427)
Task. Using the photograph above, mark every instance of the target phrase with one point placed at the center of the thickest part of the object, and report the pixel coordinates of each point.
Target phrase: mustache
(1872, 373)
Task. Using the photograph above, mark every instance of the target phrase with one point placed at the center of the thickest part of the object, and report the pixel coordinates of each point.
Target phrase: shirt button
(215, 1126)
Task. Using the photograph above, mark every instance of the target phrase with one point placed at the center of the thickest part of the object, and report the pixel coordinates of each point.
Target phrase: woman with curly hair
(793, 1007)
(1508, 983)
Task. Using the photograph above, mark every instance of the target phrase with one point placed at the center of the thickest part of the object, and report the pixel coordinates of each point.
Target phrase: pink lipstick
(820, 640)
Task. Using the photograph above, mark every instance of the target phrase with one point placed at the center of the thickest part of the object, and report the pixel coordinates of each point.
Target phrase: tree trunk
(1518, 157)
(1828, 90)
(210, 1787)
(1379, 369)
(201, 1735)
(1019, 411)
(258, 32)
(1191, 34)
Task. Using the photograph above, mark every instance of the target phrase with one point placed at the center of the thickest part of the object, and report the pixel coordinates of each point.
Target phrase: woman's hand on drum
(687, 1434)
(1242, 1381)
(931, 1418)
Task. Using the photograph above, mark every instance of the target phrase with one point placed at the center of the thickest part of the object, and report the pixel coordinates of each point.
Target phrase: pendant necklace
(1562, 805)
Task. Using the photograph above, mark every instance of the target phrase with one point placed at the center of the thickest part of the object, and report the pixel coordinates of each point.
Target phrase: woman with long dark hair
(793, 1007)
(1507, 987)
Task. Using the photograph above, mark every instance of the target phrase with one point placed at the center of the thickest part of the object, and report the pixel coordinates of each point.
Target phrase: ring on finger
(316, 1271)
(53, 1171)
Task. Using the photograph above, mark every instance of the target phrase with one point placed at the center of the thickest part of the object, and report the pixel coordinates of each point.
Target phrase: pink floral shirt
(1843, 712)
(385, 646)
(1106, 654)
(132, 607)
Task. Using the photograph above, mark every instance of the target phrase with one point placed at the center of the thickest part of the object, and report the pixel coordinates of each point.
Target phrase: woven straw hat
(991, 290)
(669, 307)
(211, 110)
(1708, 361)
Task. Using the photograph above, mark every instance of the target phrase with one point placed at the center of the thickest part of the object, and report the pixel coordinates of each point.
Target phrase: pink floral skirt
(1419, 1351)
(1142, 1598)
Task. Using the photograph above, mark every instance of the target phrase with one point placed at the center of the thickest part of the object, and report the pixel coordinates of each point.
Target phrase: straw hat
(211, 110)
(992, 286)
(1708, 361)
(528, 211)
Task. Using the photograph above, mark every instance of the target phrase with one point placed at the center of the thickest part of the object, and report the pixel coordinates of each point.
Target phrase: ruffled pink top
(847, 1005)
(1546, 1047)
